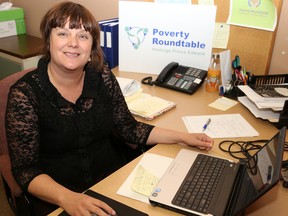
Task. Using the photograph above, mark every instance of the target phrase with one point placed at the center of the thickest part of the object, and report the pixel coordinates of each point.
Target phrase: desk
(18, 53)
(272, 203)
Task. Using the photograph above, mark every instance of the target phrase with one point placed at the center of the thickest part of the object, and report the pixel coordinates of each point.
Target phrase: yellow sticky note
(144, 181)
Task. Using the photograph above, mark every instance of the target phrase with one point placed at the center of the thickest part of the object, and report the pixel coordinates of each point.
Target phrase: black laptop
(226, 188)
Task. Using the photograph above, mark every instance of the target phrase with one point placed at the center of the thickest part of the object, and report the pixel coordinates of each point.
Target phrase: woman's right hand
(77, 204)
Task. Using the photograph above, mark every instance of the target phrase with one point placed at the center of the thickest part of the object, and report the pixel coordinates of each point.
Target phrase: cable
(241, 147)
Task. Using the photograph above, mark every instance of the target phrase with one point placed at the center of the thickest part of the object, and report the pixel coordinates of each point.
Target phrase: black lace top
(70, 142)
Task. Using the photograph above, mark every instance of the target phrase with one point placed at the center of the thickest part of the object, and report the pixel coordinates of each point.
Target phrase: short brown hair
(78, 16)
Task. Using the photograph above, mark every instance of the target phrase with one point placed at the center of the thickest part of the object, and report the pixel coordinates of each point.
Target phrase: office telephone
(178, 77)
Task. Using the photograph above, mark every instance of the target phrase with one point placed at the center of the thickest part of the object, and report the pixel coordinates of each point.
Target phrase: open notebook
(140, 104)
(149, 107)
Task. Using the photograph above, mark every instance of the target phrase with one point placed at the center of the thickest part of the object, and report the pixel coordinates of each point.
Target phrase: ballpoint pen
(206, 124)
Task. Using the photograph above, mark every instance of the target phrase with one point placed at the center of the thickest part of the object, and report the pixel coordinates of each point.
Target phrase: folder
(102, 24)
(112, 44)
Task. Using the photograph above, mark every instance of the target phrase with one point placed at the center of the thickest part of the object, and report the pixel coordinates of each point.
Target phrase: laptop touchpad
(179, 169)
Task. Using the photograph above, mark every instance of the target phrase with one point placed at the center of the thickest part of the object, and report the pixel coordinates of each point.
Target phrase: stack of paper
(267, 96)
(140, 104)
(266, 114)
(265, 101)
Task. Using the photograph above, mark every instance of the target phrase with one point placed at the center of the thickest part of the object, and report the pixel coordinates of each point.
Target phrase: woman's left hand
(166, 136)
(199, 140)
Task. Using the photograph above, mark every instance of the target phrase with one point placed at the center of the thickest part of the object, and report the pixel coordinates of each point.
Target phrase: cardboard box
(12, 22)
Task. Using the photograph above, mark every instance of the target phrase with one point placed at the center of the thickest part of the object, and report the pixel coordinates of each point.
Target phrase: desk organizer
(269, 79)
(272, 80)
(265, 80)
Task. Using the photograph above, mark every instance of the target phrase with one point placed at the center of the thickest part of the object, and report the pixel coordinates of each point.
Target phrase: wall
(34, 11)
(280, 51)
(254, 46)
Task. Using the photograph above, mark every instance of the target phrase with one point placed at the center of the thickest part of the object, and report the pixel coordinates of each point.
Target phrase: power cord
(236, 148)
(242, 149)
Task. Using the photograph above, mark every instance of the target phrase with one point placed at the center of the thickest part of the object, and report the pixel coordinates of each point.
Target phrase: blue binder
(112, 44)
(102, 25)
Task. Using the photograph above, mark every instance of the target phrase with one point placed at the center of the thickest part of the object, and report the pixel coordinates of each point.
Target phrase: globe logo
(136, 35)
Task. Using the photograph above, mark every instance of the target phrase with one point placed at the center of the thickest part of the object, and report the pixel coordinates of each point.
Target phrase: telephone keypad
(184, 79)
(172, 81)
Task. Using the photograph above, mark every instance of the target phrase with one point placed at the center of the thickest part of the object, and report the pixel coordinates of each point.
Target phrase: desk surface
(272, 203)
(21, 46)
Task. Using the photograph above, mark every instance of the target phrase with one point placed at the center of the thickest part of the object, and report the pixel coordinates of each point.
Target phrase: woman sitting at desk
(61, 117)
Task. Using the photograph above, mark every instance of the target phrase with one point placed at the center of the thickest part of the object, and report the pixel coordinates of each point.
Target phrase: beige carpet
(4, 206)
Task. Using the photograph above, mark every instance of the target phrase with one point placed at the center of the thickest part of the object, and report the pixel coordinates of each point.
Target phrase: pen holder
(233, 92)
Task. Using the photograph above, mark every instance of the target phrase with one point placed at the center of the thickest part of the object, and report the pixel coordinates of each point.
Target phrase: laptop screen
(262, 171)
(263, 168)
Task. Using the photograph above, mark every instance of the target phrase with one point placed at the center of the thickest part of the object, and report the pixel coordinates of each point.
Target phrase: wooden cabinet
(18, 53)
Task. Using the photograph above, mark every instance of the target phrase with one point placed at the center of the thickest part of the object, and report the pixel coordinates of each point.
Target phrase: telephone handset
(166, 71)
(180, 78)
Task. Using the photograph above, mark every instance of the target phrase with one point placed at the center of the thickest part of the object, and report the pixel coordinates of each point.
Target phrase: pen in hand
(206, 125)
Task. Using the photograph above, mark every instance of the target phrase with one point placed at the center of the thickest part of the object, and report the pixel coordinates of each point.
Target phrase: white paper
(274, 103)
(128, 86)
(8, 28)
(266, 114)
(221, 126)
(221, 35)
(155, 164)
(226, 69)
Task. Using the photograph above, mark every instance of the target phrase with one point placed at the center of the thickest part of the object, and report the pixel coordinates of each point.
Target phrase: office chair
(18, 200)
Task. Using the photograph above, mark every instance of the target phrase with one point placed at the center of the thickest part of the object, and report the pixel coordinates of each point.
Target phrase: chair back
(5, 85)
(12, 189)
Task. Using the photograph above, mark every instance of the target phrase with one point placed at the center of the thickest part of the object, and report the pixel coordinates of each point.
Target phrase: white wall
(35, 9)
(279, 58)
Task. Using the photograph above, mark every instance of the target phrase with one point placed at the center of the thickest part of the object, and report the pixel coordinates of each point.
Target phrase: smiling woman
(73, 17)
(68, 124)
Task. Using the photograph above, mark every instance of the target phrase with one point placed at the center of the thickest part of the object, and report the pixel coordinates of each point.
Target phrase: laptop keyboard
(198, 187)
